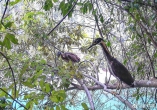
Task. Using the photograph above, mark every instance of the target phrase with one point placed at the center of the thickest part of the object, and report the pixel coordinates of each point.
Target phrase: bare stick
(88, 94)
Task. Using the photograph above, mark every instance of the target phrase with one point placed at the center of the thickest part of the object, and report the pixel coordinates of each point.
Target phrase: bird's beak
(90, 46)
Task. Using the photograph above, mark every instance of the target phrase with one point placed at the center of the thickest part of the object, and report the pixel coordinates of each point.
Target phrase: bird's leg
(108, 79)
(119, 87)
(110, 70)
(114, 93)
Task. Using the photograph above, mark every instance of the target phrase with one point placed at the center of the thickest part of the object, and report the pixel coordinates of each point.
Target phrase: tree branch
(137, 83)
(11, 71)
(62, 18)
(4, 12)
(13, 98)
(87, 93)
(145, 29)
(105, 89)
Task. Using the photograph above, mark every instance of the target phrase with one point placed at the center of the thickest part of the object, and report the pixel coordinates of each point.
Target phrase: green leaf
(85, 8)
(70, 14)
(62, 95)
(139, 68)
(134, 95)
(125, 61)
(57, 107)
(41, 83)
(155, 54)
(7, 43)
(38, 73)
(54, 99)
(48, 5)
(149, 40)
(66, 8)
(94, 12)
(136, 6)
(63, 107)
(1, 43)
(2, 93)
(133, 37)
(101, 19)
(138, 96)
(108, 44)
(23, 70)
(29, 104)
(62, 4)
(55, 0)
(131, 10)
(28, 83)
(14, 2)
(12, 38)
(90, 6)
(0, 26)
(84, 105)
(8, 25)
(43, 61)
(47, 87)
(58, 96)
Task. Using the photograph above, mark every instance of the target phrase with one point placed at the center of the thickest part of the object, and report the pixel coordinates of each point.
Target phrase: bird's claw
(114, 93)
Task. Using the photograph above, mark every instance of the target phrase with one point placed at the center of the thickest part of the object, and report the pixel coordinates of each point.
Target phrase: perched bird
(115, 67)
(68, 56)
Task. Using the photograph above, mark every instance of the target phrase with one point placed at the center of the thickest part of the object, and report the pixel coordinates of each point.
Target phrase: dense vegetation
(33, 31)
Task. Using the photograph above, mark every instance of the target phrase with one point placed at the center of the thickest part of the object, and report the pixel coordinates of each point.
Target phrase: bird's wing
(121, 72)
(73, 57)
(64, 57)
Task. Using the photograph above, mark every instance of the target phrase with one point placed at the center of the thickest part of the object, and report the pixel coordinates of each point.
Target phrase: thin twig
(13, 98)
(62, 18)
(4, 12)
(94, 68)
(62, 21)
(11, 71)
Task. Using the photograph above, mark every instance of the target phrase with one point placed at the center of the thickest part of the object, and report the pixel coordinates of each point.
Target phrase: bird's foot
(114, 93)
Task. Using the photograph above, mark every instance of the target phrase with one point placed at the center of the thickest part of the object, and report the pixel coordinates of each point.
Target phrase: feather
(68, 56)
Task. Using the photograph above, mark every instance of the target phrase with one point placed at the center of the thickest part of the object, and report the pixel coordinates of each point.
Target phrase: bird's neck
(105, 50)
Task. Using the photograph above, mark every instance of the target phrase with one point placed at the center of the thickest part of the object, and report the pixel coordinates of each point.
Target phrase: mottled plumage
(68, 56)
(116, 68)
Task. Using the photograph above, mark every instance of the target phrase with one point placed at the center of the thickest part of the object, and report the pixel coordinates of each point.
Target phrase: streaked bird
(68, 56)
(116, 68)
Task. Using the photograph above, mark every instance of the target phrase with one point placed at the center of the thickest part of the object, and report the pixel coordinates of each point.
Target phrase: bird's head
(95, 42)
(58, 54)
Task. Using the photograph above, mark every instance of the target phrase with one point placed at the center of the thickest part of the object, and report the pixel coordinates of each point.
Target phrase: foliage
(42, 79)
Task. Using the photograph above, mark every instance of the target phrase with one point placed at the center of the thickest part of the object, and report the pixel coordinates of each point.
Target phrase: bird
(68, 56)
(116, 68)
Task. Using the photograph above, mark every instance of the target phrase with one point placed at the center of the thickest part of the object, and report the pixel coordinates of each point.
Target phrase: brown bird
(68, 56)
(116, 68)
